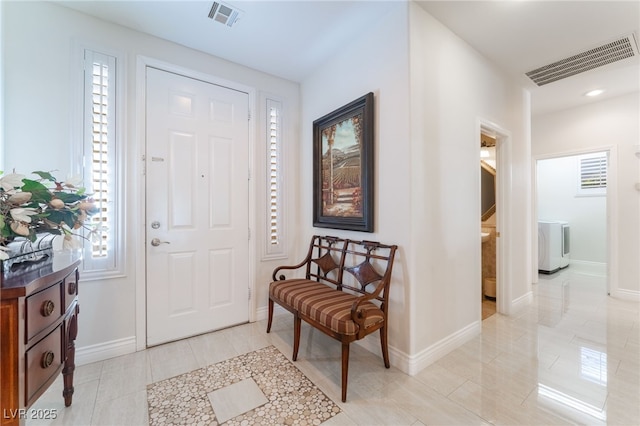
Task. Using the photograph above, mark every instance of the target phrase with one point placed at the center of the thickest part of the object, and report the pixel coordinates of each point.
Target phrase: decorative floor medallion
(192, 398)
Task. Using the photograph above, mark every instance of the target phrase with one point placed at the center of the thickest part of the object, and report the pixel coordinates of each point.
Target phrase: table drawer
(43, 361)
(43, 309)
(70, 289)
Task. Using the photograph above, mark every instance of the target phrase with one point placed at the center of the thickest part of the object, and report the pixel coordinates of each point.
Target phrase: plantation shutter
(275, 224)
(99, 153)
(274, 133)
(593, 172)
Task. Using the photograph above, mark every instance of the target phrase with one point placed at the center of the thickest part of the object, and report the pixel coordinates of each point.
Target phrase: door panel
(197, 206)
(182, 185)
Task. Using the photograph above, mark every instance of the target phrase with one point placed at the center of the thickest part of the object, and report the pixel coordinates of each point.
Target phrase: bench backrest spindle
(325, 265)
(370, 263)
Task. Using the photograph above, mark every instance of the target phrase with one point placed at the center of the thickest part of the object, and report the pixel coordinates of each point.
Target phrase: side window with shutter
(275, 226)
(592, 174)
(102, 249)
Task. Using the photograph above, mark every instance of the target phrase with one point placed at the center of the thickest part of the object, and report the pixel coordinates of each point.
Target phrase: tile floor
(572, 357)
(261, 387)
(488, 307)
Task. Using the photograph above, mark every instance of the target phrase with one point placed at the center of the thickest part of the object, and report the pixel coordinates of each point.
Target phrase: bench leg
(296, 335)
(345, 370)
(385, 346)
(270, 315)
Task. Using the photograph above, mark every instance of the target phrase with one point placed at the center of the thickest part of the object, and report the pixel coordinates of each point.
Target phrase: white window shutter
(592, 174)
(101, 246)
(275, 226)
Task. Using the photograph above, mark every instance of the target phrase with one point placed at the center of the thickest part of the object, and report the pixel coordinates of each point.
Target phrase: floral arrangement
(43, 205)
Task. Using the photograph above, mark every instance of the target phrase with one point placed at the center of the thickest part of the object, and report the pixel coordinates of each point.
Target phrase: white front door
(197, 163)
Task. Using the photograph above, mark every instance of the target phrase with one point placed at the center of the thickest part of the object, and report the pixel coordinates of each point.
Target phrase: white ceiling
(521, 36)
(291, 38)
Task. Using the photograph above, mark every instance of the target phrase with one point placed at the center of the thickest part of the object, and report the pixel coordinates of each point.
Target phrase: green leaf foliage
(45, 175)
(59, 216)
(68, 197)
(39, 192)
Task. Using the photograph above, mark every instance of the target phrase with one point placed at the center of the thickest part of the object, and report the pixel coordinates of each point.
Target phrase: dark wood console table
(39, 324)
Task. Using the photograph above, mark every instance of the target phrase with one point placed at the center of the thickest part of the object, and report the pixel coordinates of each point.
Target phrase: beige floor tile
(365, 409)
(493, 406)
(440, 379)
(123, 375)
(544, 365)
(211, 348)
(238, 398)
(430, 407)
(341, 419)
(128, 410)
(516, 383)
(547, 405)
(51, 405)
(171, 359)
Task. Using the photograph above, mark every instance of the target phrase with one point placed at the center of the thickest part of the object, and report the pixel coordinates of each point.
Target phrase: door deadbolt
(155, 224)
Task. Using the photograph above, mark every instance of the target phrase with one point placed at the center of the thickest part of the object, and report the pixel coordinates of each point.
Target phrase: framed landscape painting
(343, 167)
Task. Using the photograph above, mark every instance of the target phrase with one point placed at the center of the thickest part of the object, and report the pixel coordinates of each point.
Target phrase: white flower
(86, 206)
(20, 228)
(22, 215)
(73, 181)
(20, 198)
(3, 253)
(10, 181)
(95, 235)
(70, 242)
(56, 203)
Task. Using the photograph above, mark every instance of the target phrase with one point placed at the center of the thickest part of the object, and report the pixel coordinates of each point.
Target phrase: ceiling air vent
(614, 51)
(225, 13)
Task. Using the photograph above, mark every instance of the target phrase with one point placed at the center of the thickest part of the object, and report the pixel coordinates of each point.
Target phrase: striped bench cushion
(323, 304)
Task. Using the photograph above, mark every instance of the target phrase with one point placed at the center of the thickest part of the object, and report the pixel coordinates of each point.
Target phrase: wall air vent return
(225, 14)
(614, 51)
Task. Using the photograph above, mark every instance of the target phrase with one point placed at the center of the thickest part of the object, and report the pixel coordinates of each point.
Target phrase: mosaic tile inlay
(292, 398)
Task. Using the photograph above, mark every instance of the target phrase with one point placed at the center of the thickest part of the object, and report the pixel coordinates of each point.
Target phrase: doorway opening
(488, 201)
(572, 192)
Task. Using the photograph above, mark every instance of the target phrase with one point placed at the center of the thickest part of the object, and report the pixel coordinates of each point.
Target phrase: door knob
(156, 242)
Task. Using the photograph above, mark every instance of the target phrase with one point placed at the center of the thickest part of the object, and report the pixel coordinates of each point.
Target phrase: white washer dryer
(553, 246)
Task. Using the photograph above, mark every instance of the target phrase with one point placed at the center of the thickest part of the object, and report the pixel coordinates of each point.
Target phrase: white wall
(611, 123)
(452, 87)
(39, 87)
(375, 62)
(557, 183)
(430, 90)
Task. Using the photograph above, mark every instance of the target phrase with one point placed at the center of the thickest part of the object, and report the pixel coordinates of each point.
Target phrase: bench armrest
(359, 315)
(324, 248)
(275, 277)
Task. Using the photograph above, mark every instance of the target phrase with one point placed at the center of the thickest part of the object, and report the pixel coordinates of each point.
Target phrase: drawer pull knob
(47, 359)
(72, 288)
(47, 308)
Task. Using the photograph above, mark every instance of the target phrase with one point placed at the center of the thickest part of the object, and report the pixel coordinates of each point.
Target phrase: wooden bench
(347, 307)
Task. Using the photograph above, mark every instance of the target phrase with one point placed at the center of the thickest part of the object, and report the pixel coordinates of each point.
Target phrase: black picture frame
(343, 167)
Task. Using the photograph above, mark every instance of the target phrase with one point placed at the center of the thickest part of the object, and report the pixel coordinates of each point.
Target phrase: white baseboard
(521, 303)
(631, 295)
(404, 362)
(102, 351)
(426, 357)
(397, 358)
(263, 312)
(598, 269)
